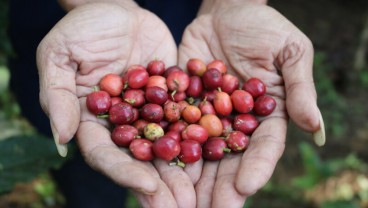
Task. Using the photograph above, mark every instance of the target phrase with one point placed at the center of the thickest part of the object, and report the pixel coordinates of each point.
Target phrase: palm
(254, 41)
(84, 46)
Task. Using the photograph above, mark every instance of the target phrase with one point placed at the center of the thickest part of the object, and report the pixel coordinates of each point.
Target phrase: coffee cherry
(222, 104)
(195, 132)
(141, 149)
(212, 79)
(245, 123)
(242, 101)
(264, 105)
(230, 83)
(153, 131)
(158, 81)
(98, 102)
(172, 111)
(171, 69)
(191, 114)
(123, 135)
(190, 151)
(215, 149)
(255, 87)
(166, 148)
(134, 97)
(136, 78)
(212, 124)
(174, 134)
(217, 64)
(152, 112)
(237, 141)
(196, 67)
(156, 95)
(156, 67)
(112, 84)
(121, 113)
(177, 81)
(195, 87)
(178, 126)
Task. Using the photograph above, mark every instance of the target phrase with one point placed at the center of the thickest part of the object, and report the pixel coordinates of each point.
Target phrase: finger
(204, 187)
(194, 170)
(58, 93)
(58, 58)
(259, 160)
(296, 62)
(163, 198)
(101, 154)
(225, 193)
(178, 182)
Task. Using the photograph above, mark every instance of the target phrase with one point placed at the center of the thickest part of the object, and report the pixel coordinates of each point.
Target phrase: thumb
(296, 61)
(58, 92)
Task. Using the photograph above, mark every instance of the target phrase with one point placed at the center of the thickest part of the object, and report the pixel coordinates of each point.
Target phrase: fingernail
(319, 136)
(61, 148)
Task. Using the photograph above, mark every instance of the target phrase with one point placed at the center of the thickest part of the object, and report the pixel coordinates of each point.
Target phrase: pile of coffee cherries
(179, 116)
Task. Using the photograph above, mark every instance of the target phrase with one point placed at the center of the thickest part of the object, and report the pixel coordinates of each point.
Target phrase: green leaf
(314, 169)
(311, 161)
(22, 158)
(306, 181)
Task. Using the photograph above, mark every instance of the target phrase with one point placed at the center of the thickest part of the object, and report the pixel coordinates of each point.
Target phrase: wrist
(68, 5)
(211, 6)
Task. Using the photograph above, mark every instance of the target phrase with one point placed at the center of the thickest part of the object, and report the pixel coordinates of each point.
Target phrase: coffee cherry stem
(180, 163)
(103, 116)
(96, 88)
(228, 150)
(172, 163)
(177, 162)
(173, 94)
(191, 100)
(130, 101)
(126, 85)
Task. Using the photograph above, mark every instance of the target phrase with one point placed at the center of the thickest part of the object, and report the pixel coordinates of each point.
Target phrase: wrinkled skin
(255, 41)
(88, 43)
(97, 39)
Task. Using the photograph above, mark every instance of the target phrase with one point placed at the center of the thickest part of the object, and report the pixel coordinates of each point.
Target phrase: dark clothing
(29, 22)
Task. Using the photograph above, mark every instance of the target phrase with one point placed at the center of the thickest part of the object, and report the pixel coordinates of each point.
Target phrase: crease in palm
(244, 47)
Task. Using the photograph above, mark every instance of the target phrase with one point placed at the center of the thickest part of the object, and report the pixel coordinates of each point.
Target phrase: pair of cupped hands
(253, 40)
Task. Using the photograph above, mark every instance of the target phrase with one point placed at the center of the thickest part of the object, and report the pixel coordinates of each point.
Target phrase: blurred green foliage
(48, 191)
(316, 170)
(20, 163)
(363, 75)
(24, 154)
(340, 204)
(333, 105)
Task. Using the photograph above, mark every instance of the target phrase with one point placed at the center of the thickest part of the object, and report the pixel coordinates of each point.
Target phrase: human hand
(254, 41)
(89, 42)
